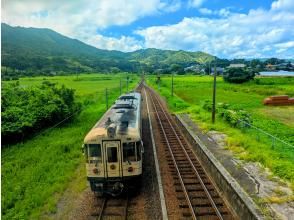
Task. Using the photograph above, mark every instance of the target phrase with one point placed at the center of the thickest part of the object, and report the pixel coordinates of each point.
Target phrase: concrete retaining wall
(240, 202)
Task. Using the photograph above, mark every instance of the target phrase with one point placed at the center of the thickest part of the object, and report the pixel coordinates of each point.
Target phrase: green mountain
(36, 51)
(168, 57)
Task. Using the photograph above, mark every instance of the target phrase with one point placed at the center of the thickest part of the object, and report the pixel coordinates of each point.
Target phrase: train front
(113, 148)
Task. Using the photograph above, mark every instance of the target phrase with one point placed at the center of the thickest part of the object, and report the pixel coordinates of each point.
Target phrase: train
(113, 148)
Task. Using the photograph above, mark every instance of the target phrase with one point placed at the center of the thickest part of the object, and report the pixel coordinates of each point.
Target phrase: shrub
(207, 105)
(238, 75)
(28, 110)
(235, 117)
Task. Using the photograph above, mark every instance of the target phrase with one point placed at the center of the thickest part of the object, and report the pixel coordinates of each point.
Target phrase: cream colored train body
(113, 147)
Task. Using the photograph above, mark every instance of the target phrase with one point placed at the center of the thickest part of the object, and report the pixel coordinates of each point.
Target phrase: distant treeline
(59, 66)
(27, 110)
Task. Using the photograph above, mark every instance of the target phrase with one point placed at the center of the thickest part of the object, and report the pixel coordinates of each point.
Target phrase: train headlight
(130, 169)
(112, 167)
(95, 170)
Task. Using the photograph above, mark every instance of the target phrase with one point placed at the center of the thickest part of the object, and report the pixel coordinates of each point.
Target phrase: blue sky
(225, 28)
(241, 6)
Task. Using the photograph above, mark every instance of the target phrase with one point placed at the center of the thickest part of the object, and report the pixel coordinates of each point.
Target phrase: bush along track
(246, 142)
(26, 111)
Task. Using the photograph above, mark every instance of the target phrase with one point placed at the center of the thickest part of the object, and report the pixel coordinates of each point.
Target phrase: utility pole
(172, 85)
(106, 98)
(127, 83)
(120, 86)
(158, 81)
(213, 94)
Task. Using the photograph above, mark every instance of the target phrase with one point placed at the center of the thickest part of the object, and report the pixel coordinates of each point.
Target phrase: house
(194, 68)
(271, 67)
(219, 70)
(237, 65)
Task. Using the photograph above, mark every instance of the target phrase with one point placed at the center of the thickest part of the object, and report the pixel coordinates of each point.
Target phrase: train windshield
(129, 151)
(94, 150)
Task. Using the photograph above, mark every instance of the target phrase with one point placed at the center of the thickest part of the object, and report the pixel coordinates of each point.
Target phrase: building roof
(237, 65)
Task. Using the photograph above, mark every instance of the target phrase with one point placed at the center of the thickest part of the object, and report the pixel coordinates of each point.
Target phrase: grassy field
(36, 173)
(248, 144)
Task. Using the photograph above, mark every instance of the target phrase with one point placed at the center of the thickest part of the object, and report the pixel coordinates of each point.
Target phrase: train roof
(122, 118)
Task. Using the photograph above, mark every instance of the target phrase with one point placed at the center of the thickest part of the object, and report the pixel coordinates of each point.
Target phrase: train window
(129, 151)
(94, 150)
(112, 154)
(139, 149)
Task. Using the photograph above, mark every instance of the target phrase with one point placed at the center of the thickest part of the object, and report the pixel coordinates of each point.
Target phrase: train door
(113, 159)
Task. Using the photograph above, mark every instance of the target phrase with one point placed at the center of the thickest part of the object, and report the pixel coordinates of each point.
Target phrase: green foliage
(235, 117)
(176, 68)
(207, 105)
(238, 75)
(26, 110)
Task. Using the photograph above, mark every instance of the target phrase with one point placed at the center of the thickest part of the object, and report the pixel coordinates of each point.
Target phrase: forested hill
(30, 51)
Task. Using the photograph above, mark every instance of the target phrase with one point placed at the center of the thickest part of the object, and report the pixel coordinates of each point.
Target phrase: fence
(275, 141)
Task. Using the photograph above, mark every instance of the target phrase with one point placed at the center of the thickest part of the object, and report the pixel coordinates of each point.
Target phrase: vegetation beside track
(36, 173)
(192, 92)
(27, 110)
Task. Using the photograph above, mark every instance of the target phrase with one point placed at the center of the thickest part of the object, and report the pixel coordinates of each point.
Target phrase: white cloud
(195, 3)
(224, 12)
(82, 19)
(259, 33)
(206, 11)
(123, 43)
(172, 6)
(101, 14)
(283, 5)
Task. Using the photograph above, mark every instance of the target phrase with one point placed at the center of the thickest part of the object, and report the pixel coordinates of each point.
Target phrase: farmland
(192, 92)
(36, 172)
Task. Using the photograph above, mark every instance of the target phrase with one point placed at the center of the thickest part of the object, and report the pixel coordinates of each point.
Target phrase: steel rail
(124, 213)
(175, 163)
(102, 209)
(126, 208)
(190, 161)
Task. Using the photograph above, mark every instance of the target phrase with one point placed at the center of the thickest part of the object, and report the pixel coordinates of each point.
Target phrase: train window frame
(135, 152)
(97, 157)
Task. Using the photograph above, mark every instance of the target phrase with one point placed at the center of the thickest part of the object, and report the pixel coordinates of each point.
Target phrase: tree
(274, 61)
(176, 68)
(238, 75)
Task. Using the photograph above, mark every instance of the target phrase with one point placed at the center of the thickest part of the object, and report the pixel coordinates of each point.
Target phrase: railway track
(198, 198)
(113, 208)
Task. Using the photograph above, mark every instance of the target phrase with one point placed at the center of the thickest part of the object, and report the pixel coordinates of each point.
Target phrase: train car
(113, 148)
